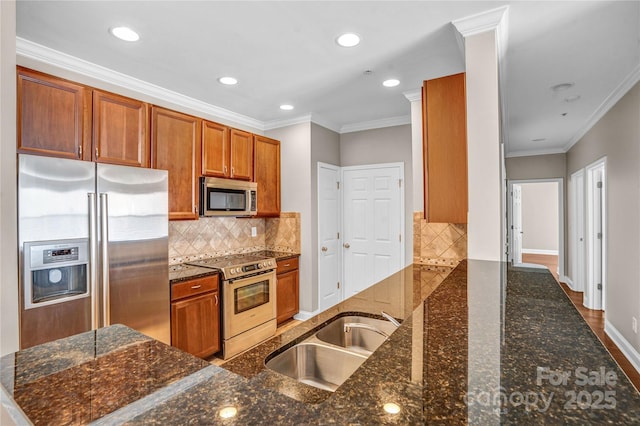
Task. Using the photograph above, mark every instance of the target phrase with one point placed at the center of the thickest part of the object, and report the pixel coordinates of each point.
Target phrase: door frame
(590, 285)
(338, 169)
(561, 240)
(576, 202)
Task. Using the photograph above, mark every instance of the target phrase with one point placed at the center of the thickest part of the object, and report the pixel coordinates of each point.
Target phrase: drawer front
(287, 265)
(193, 287)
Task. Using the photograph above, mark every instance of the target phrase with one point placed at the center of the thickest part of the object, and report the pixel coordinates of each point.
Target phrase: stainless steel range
(248, 300)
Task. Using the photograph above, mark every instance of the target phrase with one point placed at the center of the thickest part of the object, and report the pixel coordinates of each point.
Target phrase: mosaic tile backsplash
(438, 243)
(221, 236)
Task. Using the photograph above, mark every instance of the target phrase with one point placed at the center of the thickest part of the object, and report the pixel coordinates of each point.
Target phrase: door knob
(324, 248)
(347, 245)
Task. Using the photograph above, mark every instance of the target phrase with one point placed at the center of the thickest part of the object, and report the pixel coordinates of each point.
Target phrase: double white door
(371, 205)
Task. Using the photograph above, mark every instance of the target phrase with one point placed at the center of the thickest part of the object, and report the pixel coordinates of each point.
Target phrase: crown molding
(481, 22)
(40, 53)
(376, 124)
(276, 124)
(629, 81)
(532, 152)
(413, 95)
(321, 121)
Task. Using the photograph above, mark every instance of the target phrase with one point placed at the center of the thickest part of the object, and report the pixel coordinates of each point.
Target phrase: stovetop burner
(237, 265)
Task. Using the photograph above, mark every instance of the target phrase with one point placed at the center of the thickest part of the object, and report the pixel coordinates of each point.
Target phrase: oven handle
(250, 277)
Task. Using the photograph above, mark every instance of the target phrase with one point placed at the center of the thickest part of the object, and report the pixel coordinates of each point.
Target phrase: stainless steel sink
(317, 365)
(359, 340)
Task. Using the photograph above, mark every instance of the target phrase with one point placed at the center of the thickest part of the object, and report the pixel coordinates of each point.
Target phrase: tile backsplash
(438, 243)
(220, 236)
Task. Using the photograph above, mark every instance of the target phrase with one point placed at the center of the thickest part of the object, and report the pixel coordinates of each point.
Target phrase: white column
(482, 41)
(9, 331)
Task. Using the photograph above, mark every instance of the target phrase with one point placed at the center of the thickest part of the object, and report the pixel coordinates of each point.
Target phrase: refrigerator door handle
(104, 242)
(93, 261)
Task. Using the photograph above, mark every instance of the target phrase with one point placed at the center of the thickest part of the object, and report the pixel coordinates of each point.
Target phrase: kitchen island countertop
(473, 347)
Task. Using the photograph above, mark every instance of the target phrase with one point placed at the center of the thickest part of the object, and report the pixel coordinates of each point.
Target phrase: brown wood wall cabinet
(215, 150)
(445, 149)
(120, 130)
(266, 173)
(175, 146)
(195, 316)
(54, 116)
(287, 289)
(60, 118)
(241, 155)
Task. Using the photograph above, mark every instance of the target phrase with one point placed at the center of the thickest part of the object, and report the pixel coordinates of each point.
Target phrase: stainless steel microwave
(227, 197)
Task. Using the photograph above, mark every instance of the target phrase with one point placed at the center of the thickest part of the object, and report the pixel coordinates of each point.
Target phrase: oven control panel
(249, 268)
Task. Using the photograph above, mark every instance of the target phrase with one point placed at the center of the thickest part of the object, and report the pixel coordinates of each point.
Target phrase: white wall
(540, 225)
(9, 329)
(617, 136)
(295, 163)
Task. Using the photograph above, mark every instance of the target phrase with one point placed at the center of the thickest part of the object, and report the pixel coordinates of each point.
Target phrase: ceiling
(285, 52)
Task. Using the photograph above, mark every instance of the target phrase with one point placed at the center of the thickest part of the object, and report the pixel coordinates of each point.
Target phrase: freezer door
(133, 214)
(53, 204)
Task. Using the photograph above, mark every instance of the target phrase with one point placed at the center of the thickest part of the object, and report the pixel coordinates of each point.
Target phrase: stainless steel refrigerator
(93, 242)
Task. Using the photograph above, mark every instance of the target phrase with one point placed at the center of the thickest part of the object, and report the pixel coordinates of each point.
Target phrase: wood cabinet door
(195, 324)
(445, 149)
(215, 150)
(175, 146)
(287, 295)
(266, 173)
(120, 130)
(54, 116)
(241, 155)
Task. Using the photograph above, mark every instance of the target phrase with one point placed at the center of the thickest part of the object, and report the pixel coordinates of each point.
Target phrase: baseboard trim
(625, 347)
(567, 281)
(536, 251)
(305, 315)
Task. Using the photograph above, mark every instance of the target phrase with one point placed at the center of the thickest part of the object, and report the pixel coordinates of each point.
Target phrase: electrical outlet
(254, 231)
(634, 324)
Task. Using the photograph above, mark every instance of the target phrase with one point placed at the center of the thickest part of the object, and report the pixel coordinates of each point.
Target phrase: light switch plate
(254, 231)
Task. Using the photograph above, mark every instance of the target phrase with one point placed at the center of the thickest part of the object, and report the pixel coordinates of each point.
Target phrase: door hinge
(338, 235)
(338, 185)
(599, 235)
(400, 237)
(599, 286)
(399, 183)
(599, 185)
(338, 284)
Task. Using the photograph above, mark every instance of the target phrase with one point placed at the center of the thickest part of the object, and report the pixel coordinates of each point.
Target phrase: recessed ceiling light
(572, 98)
(392, 82)
(348, 40)
(125, 33)
(562, 86)
(286, 107)
(229, 81)
(539, 140)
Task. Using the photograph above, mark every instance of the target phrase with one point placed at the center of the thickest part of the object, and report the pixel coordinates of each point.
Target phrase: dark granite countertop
(278, 255)
(479, 346)
(184, 272)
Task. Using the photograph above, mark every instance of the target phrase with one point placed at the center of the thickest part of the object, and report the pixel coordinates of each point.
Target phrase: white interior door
(516, 211)
(596, 275)
(578, 231)
(329, 250)
(373, 224)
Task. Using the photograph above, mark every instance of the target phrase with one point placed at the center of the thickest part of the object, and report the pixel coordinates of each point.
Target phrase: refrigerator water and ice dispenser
(55, 271)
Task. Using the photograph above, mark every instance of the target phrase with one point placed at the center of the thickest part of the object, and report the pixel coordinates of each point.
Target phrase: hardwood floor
(595, 319)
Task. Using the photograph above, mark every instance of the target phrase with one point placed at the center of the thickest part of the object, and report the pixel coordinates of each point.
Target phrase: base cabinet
(287, 293)
(195, 316)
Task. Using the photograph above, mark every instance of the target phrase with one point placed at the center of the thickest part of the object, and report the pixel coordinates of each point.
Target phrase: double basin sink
(332, 354)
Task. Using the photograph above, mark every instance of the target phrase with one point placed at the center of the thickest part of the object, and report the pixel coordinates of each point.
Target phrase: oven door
(248, 303)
